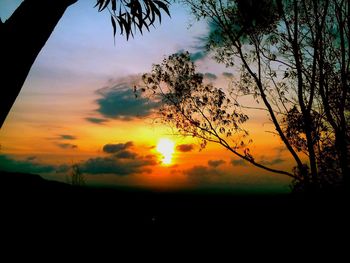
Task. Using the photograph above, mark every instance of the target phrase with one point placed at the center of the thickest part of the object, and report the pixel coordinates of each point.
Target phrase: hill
(31, 203)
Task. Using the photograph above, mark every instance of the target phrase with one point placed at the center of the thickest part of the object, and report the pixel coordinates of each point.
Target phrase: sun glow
(166, 148)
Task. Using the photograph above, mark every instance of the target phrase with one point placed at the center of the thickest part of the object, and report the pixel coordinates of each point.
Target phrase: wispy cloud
(67, 137)
(67, 146)
(96, 120)
(274, 161)
(210, 76)
(199, 55)
(216, 163)
(227, 74)
(239, 162)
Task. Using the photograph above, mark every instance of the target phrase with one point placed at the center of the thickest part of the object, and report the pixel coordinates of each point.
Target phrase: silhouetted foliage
(198, 109)
(294, 61)
(131, 15)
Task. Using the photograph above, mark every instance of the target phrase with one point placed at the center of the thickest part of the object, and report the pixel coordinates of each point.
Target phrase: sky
(77, 107)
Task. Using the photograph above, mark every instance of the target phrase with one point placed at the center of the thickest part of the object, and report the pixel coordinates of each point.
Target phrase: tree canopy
(293, 58)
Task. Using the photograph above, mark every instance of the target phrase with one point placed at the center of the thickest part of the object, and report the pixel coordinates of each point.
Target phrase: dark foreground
(32, 206)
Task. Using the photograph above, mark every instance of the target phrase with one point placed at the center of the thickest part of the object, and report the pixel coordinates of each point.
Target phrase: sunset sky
(77, 107)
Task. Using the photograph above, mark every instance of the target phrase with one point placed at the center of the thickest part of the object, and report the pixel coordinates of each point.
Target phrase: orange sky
(59, 119)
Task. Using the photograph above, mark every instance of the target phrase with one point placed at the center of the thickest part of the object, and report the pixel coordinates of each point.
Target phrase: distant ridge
(11, 181)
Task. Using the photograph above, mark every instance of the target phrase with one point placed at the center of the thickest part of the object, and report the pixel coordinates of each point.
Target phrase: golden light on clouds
(166, 148)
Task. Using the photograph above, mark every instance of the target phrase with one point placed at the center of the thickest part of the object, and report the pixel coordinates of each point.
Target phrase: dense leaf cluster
(133, 15)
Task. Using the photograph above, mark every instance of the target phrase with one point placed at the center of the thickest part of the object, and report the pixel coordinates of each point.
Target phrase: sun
(166, 148)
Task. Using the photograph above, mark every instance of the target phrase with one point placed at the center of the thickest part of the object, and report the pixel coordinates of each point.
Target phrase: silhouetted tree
(197, 109)
(25, 33)
(294, 60)
(77, 177)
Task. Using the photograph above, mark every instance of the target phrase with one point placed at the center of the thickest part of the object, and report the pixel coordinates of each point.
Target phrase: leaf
(114, 26)
(163, 6)
(114, 5)
(102, 4)
(155, 10)
(106, 4)
(120, 25)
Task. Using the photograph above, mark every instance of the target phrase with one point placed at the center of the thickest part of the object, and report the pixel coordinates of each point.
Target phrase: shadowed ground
(31, 205)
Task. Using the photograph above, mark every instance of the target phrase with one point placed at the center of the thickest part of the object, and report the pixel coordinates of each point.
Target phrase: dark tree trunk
(342, 146)
(23, 36)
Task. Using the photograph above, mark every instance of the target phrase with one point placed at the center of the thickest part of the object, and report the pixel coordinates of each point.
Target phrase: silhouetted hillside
(30, 203)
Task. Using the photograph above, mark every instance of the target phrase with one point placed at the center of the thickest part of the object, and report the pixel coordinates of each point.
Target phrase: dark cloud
(275, 161)
(204, 174)
(198, 55)
(67, 137)
(227, 74)
(121, 161)
(31, 158)
(185, 147)
(119, 102)
(63, 168)
(210, 76)
(197, 171)
(280, 150)
(96, 120)
(115, 148)
(67, 146)
(215, 163)
(118, 166)
(211, 178)
(7, 163)
(126, 155)
(239, 162)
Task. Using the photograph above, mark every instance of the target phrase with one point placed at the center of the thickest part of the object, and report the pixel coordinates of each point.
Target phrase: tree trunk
(23, 36)
(342, 147)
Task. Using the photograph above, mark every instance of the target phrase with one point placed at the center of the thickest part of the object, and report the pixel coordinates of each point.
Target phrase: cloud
(215, 163)
(280, 150)
(275, 161)
(118, 166)
(115, 148)
(61, 139)
(227, 74)
(210, 76)
(204, 174)
(8, 163)
(197, 171)
(63, 168)
(31, 158)
(185, 147)
(67, 137)
(96, 120)
(198, 55)
(126, 155)
(239, 162)
(119, 102)
(67, 146)
(120, 161)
